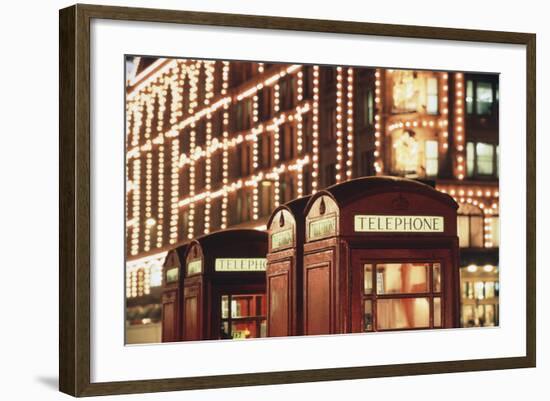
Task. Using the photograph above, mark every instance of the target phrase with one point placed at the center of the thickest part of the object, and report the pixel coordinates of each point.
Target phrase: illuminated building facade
(218, 144)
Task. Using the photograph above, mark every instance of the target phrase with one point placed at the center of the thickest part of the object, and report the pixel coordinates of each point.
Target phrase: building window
(405, 149)
(412, 157)
(329, 76)
(414, 92)
(243, 115)
(283, 139)
(265, 147)
(166, 123)
(265, 103)
(287, 92)
(200, 175)
(216, 214)
(480, 96)
(198, 225)
(470, 159)
(244, 153)
(485, 158)
(241, 211)
(366, 163)
(470, 227)
(431, 158)
(217, 125)
(370, 105)
(469, 96)
(200, 133)
(247, 216)
(367, 107)
(432, 98)
(484, 98)
(240, 72)
(266, 198)
(482, 159)
(330, 174)
(308, 82)
(479, 296)
(404, 296)
(287, 141)
(330, 124)
(235, 208)
(494, 226)
(217, 169)
(307, 183)
(184, 181)
(308, 134)
(287, 189)
(183, 223)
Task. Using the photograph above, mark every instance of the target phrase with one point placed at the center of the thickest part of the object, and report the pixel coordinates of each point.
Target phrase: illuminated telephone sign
(398, 224)
(172, 275)
(281, 239)
(194, 267)
(322, 228)
(240, 264)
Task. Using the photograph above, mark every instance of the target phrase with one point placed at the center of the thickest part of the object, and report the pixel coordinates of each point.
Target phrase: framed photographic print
(279, 200)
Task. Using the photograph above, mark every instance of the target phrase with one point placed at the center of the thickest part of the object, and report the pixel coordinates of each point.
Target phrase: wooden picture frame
(75, 199)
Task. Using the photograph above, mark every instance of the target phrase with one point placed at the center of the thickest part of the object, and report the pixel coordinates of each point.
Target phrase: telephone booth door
(402, 289)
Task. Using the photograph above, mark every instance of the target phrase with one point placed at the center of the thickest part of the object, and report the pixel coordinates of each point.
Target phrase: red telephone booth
(172, 287)
(224, 286)
(284, 269)
(381, 253)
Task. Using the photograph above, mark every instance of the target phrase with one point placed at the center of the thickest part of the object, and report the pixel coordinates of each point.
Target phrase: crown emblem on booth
(400, 203)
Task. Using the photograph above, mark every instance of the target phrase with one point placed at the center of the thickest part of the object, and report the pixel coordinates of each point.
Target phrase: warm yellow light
(472, 268)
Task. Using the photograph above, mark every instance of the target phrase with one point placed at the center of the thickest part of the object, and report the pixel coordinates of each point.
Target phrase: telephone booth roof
(231, 242)
(376, 205)
(349, 191)
(180, 251)
(296, 207)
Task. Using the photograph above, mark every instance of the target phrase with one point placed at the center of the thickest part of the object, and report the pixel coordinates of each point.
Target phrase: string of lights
(349, 125)
(315, 128)
(195, 116)
(378, 166)
(225, 155)
(339, 141)
(459, 126)
(444, 120)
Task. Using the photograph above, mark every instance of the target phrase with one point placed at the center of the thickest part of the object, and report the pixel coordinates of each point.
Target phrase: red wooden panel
(191, 329)
(278, 305)
(168, 323)
(317, 300)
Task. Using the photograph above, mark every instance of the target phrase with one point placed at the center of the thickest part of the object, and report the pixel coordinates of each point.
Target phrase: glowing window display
(406, 154)
(484, 98)
(431, 158)
(414, 91)
(243, 316)
(401, 296)
(470, 227)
